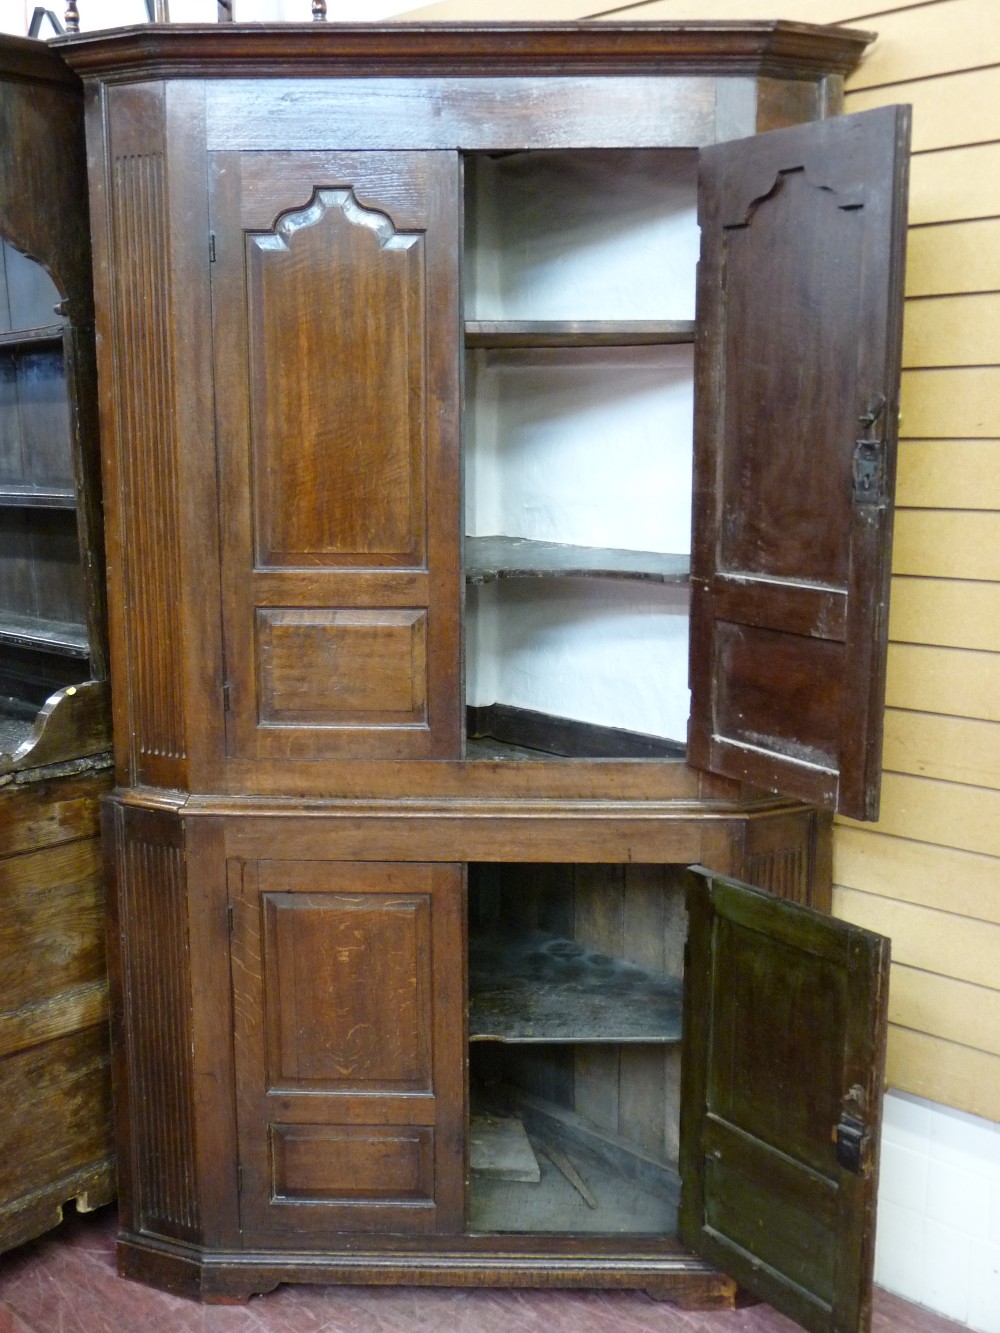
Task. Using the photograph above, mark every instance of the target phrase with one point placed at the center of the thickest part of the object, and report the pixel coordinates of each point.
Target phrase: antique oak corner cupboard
(403, 343)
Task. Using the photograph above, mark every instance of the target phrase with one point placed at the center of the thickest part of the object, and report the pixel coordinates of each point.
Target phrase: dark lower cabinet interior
(575, 980)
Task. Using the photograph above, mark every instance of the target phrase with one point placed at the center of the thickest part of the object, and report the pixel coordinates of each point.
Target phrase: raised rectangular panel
(353, 1163)
(778, 519)
(334, 290)
(349, 1009)
(343, 666)
(593, 235)
(769, 689)
(349, 994)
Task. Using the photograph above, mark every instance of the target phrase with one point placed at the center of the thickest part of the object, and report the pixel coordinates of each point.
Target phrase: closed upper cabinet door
(336, 321)
(785, 1015)
(797, 393)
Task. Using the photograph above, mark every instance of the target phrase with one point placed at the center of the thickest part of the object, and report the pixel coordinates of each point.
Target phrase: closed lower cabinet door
(349, 1024)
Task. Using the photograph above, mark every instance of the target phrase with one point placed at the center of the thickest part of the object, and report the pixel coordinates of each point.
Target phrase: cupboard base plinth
(225, 1277)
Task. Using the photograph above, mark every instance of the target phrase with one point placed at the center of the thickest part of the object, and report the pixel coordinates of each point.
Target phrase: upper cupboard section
(581, 236)
(579, 301)
(337, 323)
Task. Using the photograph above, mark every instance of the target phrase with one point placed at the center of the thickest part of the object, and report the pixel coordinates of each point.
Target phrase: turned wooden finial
(72, 17)
(319, 11)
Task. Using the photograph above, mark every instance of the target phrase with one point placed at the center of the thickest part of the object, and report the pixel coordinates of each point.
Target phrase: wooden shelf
(48, 636)
(535, 987)
(500, 731)
(488, 559)
(14, 731)
(49, 335)
(508, 333)
(14, 498)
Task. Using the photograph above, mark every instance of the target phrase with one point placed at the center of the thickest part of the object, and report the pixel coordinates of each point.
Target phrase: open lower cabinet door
(797, 391)
(785, 1023)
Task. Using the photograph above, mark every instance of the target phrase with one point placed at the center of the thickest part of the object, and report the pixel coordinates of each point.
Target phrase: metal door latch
(868, 468)
(852, 1140)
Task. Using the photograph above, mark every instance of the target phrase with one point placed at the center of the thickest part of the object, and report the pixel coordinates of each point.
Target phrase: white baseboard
(939, 1210)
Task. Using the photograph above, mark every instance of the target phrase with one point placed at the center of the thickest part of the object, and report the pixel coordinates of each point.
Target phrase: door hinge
(211, 247)
(227, 696)
(230, 917)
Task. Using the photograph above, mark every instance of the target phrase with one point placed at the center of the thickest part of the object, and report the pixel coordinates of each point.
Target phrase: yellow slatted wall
(928, 874)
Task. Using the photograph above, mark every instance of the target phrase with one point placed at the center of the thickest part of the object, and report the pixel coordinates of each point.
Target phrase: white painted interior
(582, 648)
(587, 447)
(599, 235)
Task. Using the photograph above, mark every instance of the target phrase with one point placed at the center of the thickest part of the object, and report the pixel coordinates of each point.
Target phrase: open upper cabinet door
(797, 372)
(784, 1058)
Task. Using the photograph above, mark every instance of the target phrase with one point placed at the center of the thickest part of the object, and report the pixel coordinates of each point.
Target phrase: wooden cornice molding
(28, 60)
(775, 48)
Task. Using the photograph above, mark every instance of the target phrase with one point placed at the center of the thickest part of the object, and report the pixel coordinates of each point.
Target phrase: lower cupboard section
(383, 1070)
(575, 1047)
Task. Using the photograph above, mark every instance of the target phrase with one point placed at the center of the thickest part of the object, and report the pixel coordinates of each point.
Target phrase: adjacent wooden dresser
(401, 943)
(55, 726)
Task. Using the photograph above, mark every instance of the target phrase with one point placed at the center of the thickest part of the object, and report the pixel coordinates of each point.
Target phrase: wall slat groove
(943, 1072)
(949, 814)
(928, 938)
(955, 749)
(911, 871)
(953, 682)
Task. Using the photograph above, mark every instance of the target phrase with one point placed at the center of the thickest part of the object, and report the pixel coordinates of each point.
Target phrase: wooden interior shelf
(500, 731)
(507, 333)
(14, 730)
(50, 636)
(496, 557)
(48, 336)
(15, 498)
(536, 987)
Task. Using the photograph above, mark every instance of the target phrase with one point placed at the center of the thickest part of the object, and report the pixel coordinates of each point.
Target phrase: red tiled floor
(66, 1283)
